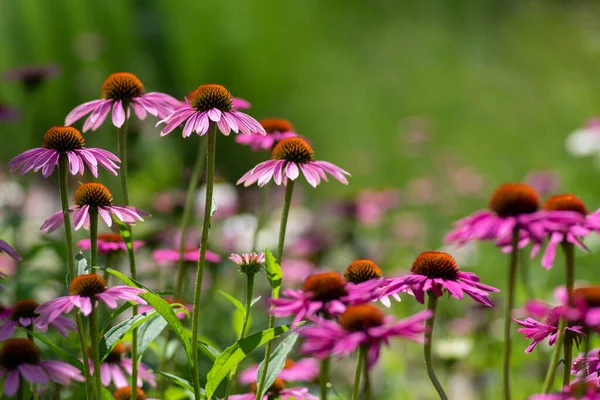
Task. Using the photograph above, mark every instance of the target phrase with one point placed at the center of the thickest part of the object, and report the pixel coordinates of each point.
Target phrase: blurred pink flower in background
(372, 204)
(546, 182)
(296, 270)
(421, 191)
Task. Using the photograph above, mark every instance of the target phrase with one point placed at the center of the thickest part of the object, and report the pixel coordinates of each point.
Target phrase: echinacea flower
(24, 315)
(120, 91)
(249, 263)
(85, 292)
(109, 243)
(116, 364)
(296, 270)
(538, 331)
(365, 273)
(32, 76)
(513, 205)
(189, 254)
(124, 393)
(586, 389)
(277, 129)
(90, 197)
(5, 248)
(20, 359)
(436, 272)
(326, 293)
(544, 182)
(64, 140)
(586, 305)
(588, 363)
(277, 391)
(303, 370)
(289, 157)
(210, 103)
(362, 324)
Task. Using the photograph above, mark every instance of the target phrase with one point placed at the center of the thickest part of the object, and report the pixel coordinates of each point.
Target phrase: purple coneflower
(66, 140)
(89, 197)
(538, 331)
(120, 91)
(436, 272)
(116, 363)
(84, 290)
(5, 248)
(513, 205)
(590, 363)
(587, 389)
(289, 157)
(277, 391)
(326, 293)
(109, 243)
(189, 255)
(362, 324)
(249, 263)
(23, 314)
(210, 103)
(586, 305)
(305, 369)
(32, 76)
(20, 359)
(365, 273)
(124, 393)
(277, 129)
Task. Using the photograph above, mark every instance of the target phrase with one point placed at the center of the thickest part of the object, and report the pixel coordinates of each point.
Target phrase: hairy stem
(554, 361)
(359, 367)
(93, 321)
(324, 377)
(429, 324)
(512, 273)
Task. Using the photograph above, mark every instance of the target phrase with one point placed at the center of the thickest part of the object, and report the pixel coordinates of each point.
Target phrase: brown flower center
(24, 309)
(289, 363)
(15, 352)
(124, 393)
(325, 286)
(361, 271)
(122, 86)
(206, 97)
(435, 264)
(566, 202)
(276, 125)
(589, 294)
(361, 317)
(293, 149)
(274, 390)
(87, 285)
(93, 194)
(63, 139)
(116, 354)
(512, 199)
(110, 237)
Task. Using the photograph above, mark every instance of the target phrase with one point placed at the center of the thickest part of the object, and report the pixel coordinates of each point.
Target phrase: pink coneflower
(544, 182)
(587, 389)
(538, 331)
(590, 363)
(84, 290)
(210, 103)
(116, 364)
(362, 324)
(66, 140)
(305, 369)
(277, 129)
(512, 205)
(93, 197)
(23, 314)
(365, 273)
(241, 104)
(436, 272)
(325, 293)
(20, 359)
(171, 300)
(296, 270)
(190, 254)
(289, 157)
(249, 263)
(586, 305)
(124, 393)
(5, 248)
(32, 76)
(277, 391)
(120, 91)
(109, 243)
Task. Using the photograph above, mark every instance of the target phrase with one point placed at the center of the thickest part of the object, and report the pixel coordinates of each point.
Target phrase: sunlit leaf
(277, 361)
(274, 273)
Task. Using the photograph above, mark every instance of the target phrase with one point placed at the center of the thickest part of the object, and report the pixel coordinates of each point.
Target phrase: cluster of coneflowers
(334, 315)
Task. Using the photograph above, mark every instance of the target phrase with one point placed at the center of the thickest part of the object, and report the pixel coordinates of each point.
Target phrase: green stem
(555, 356)
(108, 264)
(63, 179)
(568, 360)
(366, 377)
(93, 321)
(122, 148)
(429, 324)
(210, 177)
(512, 273)
(186, 219)
(93, 236)
(21, 391)
(569, 250)
(324, 377)
(285, 212)
(245, 327)
(264, 198)
(359, 367)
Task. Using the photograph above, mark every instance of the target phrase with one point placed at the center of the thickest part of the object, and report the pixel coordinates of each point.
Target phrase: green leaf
(149, 332)
(116, 333)
(235, 302)
(59, 351)
(274, 273)
(163, 308)
(277, 361)
(180, 381)
(106, 394)
(114, 315)
(125, 233)
(235, 353)
(207, 345)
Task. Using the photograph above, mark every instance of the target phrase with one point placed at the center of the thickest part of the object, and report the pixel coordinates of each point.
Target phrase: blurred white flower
(586, 140)
(453, 348)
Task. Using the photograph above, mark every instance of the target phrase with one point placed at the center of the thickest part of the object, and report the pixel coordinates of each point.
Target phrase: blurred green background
(400, 94)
